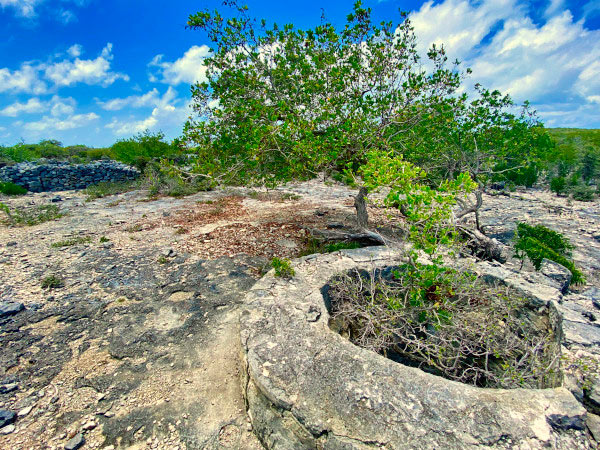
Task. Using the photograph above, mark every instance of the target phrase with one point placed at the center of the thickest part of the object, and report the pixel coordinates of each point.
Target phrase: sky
(94, 71)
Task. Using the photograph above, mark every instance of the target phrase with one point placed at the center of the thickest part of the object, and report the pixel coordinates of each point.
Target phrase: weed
(283, 267)
(52, 282)
(71, 242)
(162, 260)
(313, 246)
(134, 228)
(101, 190)
(104, 239)
(583, 193)
(290, 196)
(30, 216)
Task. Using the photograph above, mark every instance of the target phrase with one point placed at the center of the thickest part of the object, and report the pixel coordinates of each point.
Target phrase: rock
(76, 442)
(593, 424)
(558, 273)
(25, 411)
(7, 429)
(11, 244)
(349, 397)
(6, 417)
(594, 295)
(6, 388)
(167, 252)
(56, 199)
(592, 397)
(10, 308)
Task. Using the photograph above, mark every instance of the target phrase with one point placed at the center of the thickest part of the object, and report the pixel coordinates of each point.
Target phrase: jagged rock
(328, 393)
(558, 273)
(10, 308)
(6, 417)
(593, 424)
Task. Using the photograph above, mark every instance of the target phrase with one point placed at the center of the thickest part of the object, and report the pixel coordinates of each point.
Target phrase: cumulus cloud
(88, 71)
(168, 111)
(56, 105)
(29, 8)
(25, 79)
(187, 69)
(150, 98)
(57, 124)
(555, 62)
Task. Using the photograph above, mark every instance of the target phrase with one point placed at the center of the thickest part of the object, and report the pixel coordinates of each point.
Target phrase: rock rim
(305, 386)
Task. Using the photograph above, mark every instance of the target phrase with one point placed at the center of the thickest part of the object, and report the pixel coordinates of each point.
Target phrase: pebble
(6, 417)
(6, 388)
(24, 411)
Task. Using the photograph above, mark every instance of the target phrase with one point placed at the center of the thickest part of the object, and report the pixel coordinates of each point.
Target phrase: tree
(283, 103)
(558, 185)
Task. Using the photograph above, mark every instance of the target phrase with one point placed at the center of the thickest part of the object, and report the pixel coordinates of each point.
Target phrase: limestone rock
(6, 417)
(557, 272)
(76, 442)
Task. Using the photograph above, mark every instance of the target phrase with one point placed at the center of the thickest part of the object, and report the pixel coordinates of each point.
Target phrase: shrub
(539, 242)
(52, 282)
(142, 148)
(9, 188)
(558, 185)
(583, 193)
(447, 323)
(283, 267)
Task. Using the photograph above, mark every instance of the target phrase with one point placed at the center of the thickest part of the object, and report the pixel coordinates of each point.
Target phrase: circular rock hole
(448, 323)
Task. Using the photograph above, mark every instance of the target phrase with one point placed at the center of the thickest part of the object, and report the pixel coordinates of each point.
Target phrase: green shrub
(142, 148)
(283, 267)
(583, 193)
(558, 185)
(9, 188)
(539, 242)
(52, 282)
(30, 216)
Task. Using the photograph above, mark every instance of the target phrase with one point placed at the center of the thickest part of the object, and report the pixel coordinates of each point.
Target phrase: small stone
(7, 429)
(56, 199)
(11, 244)
(25, 411)
(109, 414)
(6, 388)
(89, 425)
(6, 417)
(76, 442)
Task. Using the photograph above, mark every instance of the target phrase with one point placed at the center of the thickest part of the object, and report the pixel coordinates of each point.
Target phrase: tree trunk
(360, 203)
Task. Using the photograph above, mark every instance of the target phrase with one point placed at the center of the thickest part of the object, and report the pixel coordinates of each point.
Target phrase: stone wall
(51, 175)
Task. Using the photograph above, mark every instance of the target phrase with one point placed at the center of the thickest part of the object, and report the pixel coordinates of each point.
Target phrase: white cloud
(33, 105)
(88, 71)
(75, 50)
(56, 124)
(167, 112)
(187, 69)
(25, 79)
(554, 64)
(591, 8)
(56, 105)
(150, 98)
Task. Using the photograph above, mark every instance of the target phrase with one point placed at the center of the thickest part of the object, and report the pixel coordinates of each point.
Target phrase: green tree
(558, 185)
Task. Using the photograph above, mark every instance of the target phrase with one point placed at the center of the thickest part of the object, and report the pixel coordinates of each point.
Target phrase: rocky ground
(138, 345)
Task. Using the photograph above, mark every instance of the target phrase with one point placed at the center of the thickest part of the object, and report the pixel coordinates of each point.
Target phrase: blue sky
(94, 71)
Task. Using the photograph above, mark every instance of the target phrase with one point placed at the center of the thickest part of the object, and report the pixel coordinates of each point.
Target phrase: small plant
(71, 242)
(313, 246)
(538, 242)
(9, 188)
(104, 239)
(52, 282)
(283, 267)
(334, 247)
(29, 216)
(583, 193)
(162, 260)
(558, 185)
(134, 228)
(290, 196)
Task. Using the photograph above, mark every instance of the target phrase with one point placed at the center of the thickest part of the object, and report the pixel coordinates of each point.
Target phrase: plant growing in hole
(538, 242)
(448, 323)
(283, 267)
